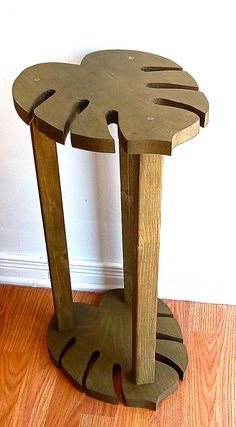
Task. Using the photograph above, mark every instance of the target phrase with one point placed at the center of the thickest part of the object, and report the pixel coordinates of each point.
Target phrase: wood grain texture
(29, 381)
(154, 102)
(128, 166)
(155, 105)
(141, 183)
(146, 217)
(205, 398)
(102, 339)
(46, 165)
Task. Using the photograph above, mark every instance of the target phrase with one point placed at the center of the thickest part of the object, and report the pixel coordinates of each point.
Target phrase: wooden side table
(156, 106)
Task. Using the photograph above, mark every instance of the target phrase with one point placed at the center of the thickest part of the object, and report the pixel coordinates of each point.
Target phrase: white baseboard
(85, 275)
(101, 276)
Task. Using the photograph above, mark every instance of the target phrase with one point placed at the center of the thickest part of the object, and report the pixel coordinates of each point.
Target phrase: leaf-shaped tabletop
(155, 103)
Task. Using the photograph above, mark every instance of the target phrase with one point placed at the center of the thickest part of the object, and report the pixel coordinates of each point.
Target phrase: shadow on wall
(106, 194)
(91, 198)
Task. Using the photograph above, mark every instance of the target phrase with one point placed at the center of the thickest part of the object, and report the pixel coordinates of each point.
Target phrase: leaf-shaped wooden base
(102, 339)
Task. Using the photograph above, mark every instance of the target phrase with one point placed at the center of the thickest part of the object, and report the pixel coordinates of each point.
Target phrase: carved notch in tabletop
(155, 103)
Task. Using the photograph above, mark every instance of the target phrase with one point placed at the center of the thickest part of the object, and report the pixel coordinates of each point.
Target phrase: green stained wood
(155, 103)
(46, 165)
(156, 106)
(105, 331)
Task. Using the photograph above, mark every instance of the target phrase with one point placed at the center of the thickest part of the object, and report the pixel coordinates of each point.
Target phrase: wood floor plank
(34, 393)
(13, 369)
(226, 372)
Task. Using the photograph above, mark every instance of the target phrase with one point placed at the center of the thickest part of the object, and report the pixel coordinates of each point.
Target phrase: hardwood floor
(33, 392)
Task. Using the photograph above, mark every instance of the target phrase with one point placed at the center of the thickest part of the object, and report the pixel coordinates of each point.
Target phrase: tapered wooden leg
(141, 182)
(46, 164)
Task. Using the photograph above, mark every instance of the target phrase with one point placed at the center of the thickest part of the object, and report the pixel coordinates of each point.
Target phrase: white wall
(198, 219)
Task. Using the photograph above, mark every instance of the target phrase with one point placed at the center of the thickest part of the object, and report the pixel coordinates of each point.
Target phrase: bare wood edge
(186, 134)
(136, 147)
(107, 145)
(50, 131)
(139, 147)
(206, 121)
(93, 144)
(21, 112)
(163, 147)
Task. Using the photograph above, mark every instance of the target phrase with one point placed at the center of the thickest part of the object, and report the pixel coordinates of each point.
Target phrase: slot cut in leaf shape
(102, 339)
(155, 104)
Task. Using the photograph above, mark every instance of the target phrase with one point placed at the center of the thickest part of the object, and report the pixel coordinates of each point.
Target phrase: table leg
(141, 182)
(46, 164)
(128, 169)
(128, 331)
